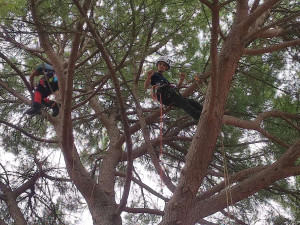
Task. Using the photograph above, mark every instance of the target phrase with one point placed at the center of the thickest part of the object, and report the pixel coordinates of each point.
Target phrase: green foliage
(12, 8)
(143, 219)
(179, 29)
(280, 220)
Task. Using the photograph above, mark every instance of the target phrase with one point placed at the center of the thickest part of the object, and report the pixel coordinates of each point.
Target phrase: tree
(109, 132)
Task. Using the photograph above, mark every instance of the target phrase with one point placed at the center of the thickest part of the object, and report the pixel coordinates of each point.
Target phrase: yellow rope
(197, 79)
(226, 179)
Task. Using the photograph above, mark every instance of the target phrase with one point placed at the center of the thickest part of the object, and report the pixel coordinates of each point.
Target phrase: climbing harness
(165, 91)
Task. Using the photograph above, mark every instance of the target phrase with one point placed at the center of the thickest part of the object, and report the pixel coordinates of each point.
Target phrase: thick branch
(214, 52)
(55, 178)
(27, 185)
(207, 3)
(254, 125)
(274, 29)
(280, 169)
(2, 222)
(237, 177)
(144, 210)
(255, 5)
(272, 48)
(12, 205)
(260, 10)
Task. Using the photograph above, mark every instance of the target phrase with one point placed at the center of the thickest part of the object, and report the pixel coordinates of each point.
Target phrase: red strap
(37, 97)
(47, 100)
(42, 82)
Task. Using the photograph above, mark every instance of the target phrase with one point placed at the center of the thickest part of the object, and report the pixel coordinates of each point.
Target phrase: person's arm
(148, 79)
(31, 78)
(182, 77)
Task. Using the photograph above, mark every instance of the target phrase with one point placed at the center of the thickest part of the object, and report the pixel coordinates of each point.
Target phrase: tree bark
(14, 209)
(180, 208)
(11, 202)
(101, 206)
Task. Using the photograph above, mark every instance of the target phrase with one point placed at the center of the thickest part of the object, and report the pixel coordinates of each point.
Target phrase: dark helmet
(50, 73)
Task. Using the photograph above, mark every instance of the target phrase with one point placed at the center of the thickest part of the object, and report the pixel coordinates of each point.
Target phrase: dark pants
(45, 88)
(171, 96)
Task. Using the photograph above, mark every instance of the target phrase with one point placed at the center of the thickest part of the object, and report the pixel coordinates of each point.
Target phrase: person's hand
(182, 76)
(150, 74)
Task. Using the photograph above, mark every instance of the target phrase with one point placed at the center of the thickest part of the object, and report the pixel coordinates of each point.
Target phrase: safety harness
(165, 91)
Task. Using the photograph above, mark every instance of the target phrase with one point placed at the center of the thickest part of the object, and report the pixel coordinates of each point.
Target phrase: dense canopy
(111, 153)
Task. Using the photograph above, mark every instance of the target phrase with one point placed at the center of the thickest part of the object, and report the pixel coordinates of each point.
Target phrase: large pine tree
(108, 148)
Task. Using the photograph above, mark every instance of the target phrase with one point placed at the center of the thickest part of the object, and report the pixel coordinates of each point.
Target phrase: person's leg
(163, 94)
(196, 104)
(37, 99)
(50, 88)
(184, 103)
(36, 105)
(51, 104)
(42, 91)
(55, 109)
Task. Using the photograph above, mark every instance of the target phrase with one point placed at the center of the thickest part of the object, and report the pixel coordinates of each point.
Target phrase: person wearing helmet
(170, 94)
(46, 86)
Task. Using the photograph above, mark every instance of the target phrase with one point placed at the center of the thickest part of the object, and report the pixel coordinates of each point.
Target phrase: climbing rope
(47, 80)
(197, 79)
(226, 179)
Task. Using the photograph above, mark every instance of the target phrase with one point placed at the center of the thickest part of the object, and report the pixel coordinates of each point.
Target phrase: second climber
(47, 85)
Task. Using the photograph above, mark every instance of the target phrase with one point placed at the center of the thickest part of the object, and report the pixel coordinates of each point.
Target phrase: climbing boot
(35, 109)
(55, 109)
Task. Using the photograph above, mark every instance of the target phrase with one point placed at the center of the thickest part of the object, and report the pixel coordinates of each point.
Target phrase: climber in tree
(169, 93)
(47, 85)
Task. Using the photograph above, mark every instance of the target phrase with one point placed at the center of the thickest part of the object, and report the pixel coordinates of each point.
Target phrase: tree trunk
(180, 208)
(14, 209)
(101, 205)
